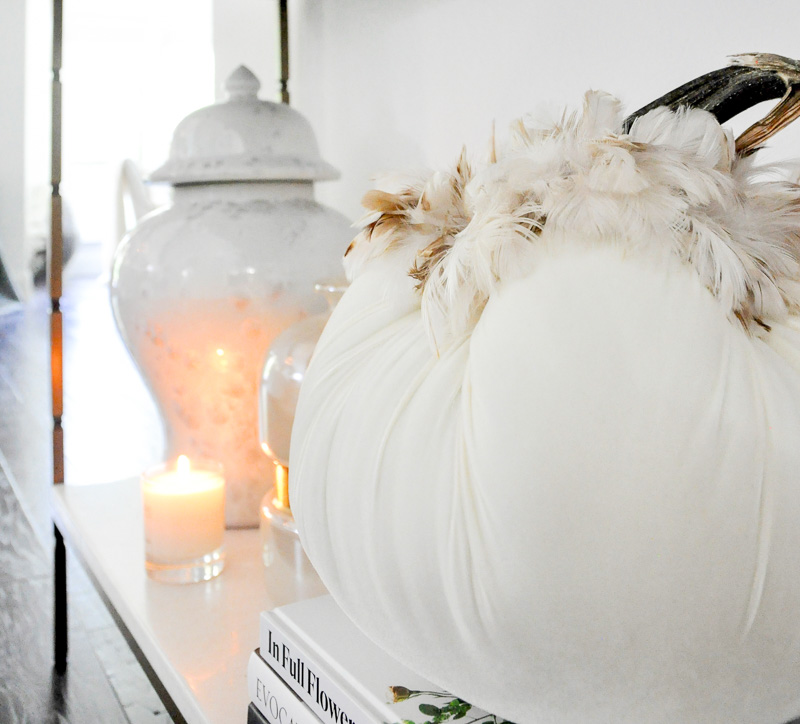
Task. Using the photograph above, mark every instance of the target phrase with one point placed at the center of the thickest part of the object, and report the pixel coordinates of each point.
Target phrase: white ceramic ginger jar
(201, 288)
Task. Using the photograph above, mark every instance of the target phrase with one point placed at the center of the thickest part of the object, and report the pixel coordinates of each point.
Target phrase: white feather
(672, 184)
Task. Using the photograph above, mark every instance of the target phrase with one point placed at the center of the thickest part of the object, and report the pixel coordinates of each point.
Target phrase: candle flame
(183, 465)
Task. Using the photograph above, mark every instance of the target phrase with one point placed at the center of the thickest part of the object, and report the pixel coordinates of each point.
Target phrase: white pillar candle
(184, 512)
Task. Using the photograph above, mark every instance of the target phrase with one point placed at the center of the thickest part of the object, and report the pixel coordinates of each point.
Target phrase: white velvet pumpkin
(562, 479)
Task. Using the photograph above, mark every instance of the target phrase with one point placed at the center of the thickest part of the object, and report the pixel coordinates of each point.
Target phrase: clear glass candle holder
(184, 520)
(279, 536)
(284, 370)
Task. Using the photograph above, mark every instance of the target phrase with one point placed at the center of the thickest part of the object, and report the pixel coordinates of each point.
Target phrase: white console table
(192, 640)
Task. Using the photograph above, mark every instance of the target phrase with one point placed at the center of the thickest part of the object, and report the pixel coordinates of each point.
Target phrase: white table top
(197, 637)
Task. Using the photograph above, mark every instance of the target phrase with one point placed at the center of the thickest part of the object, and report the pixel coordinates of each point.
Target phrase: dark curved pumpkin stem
(750, 79)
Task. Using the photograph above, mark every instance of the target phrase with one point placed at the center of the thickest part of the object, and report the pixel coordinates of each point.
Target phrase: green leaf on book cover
(430, 709)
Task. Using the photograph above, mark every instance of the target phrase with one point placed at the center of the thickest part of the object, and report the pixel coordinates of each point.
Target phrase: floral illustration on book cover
(453, 709)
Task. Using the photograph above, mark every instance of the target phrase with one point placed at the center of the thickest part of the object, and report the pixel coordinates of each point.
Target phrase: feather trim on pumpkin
(673, 182)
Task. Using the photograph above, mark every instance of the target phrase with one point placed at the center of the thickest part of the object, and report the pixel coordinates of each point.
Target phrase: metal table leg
(60, 633)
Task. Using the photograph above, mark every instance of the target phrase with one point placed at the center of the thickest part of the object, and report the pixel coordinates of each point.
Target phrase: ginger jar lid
(244, 139)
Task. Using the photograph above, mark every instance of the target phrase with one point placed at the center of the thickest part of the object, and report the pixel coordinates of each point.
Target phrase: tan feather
(463, 173)
(385, 202)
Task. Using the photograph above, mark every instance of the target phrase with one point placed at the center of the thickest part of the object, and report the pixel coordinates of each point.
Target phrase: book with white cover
(272, 697)
(347, 679)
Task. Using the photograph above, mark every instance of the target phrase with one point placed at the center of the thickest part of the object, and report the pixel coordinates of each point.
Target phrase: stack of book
(313, 665)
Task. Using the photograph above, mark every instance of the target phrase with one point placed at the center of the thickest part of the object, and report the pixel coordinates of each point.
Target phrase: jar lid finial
(242, 83)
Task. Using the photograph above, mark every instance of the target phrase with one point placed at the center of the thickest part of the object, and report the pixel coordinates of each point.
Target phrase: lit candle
(184, 521)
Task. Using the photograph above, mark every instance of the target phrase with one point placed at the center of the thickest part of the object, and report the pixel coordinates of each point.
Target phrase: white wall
(12, 139)
(132, 71)
(393, 85)
(246, 33)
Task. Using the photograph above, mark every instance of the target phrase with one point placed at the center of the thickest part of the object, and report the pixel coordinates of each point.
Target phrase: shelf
(196, 638)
